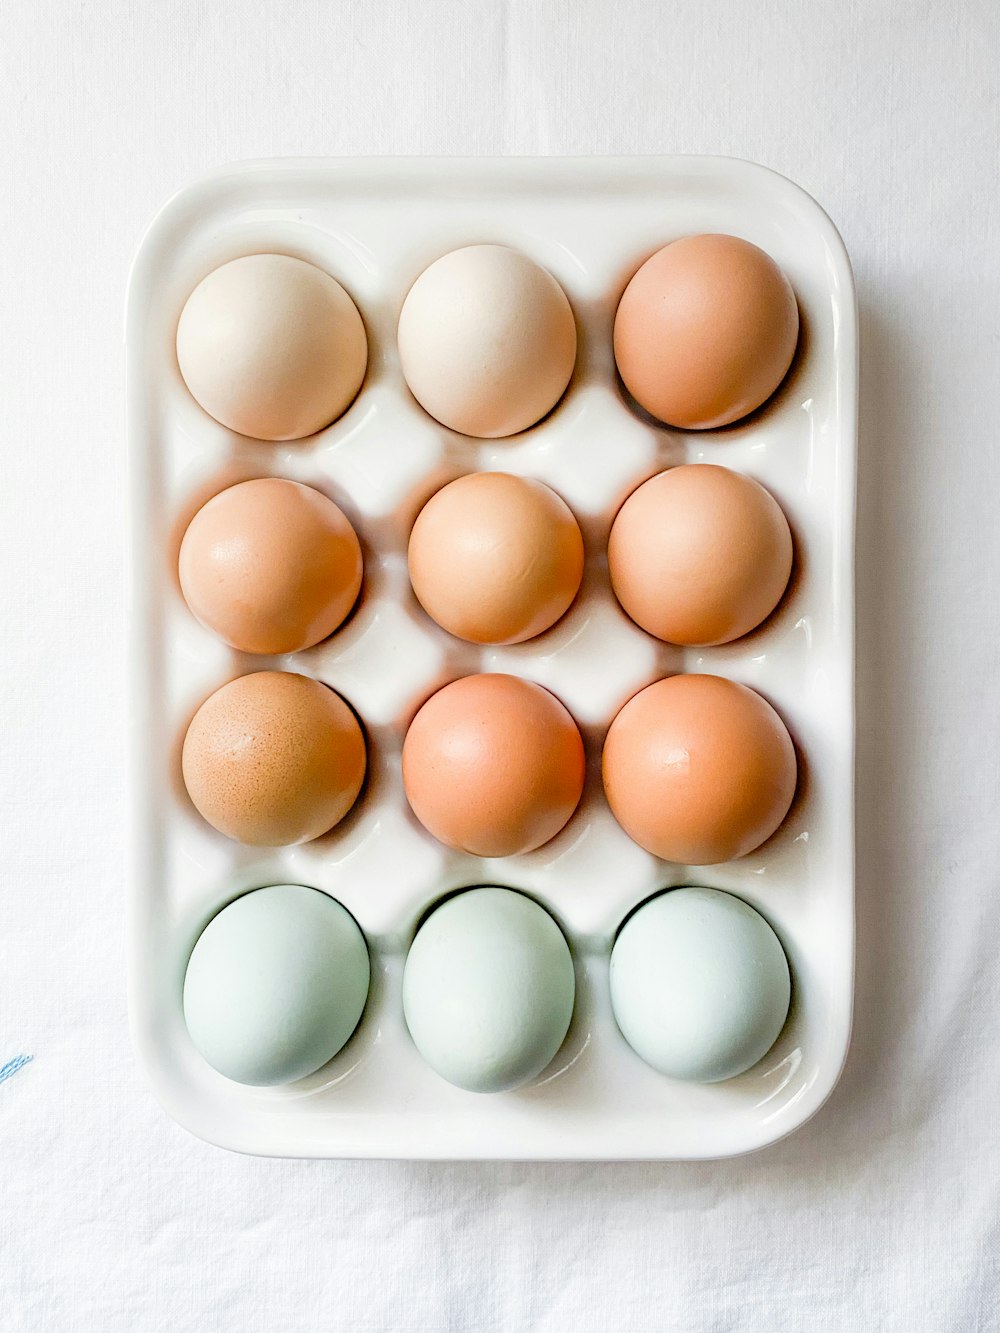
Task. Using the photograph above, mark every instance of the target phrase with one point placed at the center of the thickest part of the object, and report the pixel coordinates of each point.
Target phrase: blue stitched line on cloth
(12, 1066)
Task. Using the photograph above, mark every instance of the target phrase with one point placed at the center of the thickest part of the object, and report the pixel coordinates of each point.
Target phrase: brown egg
(273, 759)
(699, 770)
(270, 566)
(495, 558)
(699, 554)
(705, 331)
(493, 765)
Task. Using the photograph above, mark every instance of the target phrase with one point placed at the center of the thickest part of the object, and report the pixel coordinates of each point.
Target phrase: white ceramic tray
(375, 225)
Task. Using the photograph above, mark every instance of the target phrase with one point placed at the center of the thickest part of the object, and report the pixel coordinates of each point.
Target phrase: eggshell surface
(270, 566)
(273, 759)
(699, 555)
(488, 990)
(487, 341)
(698, 769)
(495, 558)
(700, 986)
(705, 331)
(272, 347)
(493, 765)
(275, 985)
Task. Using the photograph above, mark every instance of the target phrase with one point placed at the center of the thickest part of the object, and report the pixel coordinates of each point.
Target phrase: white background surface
(880, 1214)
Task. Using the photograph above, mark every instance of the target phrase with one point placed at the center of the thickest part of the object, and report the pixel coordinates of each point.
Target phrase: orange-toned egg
(698, 769)
(273, 759)
(495, 558)
(699, 555)
(705, 331)
(270, 566)
(493, 765)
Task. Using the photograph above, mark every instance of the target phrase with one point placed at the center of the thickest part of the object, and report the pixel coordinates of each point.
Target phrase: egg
(487, 341)
(273, 759)
(700, 986)
(270, 566)
(699, 555)
(493, 765)
(705, 331)
(271, 347)
(495, 558)
(275, 985)
(698, 769)
(488, 990)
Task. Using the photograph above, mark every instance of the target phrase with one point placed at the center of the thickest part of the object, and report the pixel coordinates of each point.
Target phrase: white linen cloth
(881, 1214)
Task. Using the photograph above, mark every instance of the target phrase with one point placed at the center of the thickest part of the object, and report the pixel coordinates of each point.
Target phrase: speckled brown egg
(273, 759)
(699, 769)
(270, 566)
(705, 331)
(493, 765)
(699, 554)
(495, 558)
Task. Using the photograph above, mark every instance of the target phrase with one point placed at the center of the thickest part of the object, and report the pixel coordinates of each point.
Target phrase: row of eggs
(274, 348)
(277, 983)
(697, 555)
(697, 769)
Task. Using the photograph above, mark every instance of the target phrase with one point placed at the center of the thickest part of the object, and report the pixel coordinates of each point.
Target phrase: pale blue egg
(488, 989)
(276, 985)
(700, 985)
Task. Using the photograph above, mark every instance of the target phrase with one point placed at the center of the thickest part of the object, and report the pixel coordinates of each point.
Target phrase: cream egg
(272, 347)
(698, 769)
(488, 990)
(495, 558)
(270, 566)
(699, 555)
(705, 331)
(276, 985)
(493, 765)
(700, 986)
(273, 759)
(487, 341)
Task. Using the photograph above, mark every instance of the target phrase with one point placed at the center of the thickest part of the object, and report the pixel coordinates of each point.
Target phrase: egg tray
(375, 225)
